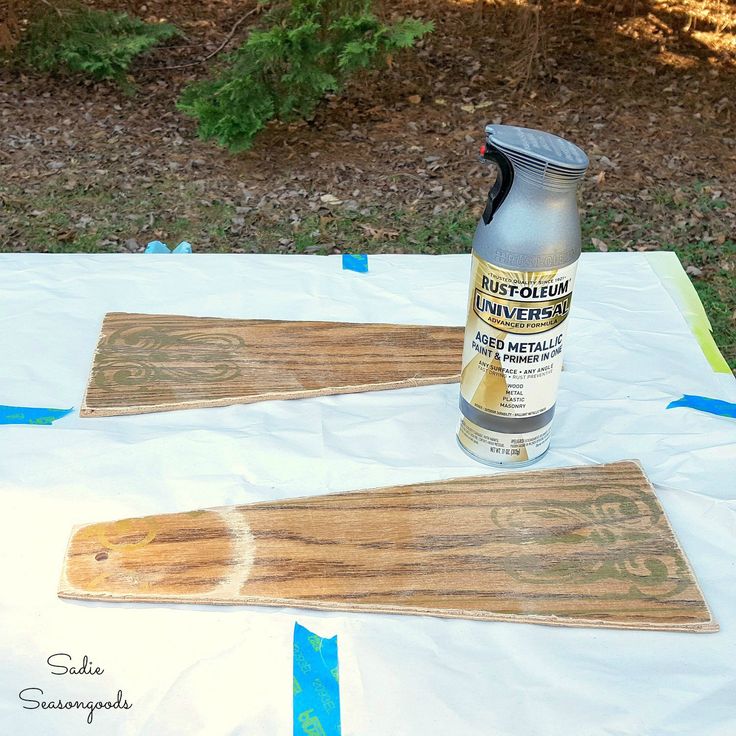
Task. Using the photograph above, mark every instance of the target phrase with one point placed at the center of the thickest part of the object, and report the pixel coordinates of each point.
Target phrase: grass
(369, 232)
(97, 219)
(93, 218)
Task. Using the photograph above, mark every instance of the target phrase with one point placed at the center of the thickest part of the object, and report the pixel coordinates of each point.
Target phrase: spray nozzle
(504, 179)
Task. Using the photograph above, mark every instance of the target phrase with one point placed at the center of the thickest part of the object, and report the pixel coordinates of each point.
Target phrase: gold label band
(512, 359)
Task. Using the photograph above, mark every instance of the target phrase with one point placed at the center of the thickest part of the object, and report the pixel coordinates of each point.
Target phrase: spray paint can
(525, 253)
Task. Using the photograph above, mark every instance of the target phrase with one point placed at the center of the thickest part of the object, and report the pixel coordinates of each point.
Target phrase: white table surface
(218, 671)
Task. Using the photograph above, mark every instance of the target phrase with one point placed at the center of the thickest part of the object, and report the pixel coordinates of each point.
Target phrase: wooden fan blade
(583, 546)
(147, 362)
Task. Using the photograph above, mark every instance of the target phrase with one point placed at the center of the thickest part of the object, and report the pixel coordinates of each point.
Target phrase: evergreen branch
(225, 42)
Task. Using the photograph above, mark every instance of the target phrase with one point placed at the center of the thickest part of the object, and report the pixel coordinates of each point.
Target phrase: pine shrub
(100, 44)
(305, 49)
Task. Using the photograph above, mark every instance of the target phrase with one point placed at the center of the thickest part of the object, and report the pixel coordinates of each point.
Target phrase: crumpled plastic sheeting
(227, 670)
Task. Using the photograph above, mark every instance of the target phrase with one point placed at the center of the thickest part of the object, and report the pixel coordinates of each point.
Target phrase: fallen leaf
(330, 199)
(379, 233)
(694, 271)
(414, 99)
(600, 245)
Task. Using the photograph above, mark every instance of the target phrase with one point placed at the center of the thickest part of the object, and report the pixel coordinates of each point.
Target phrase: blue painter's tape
(703, 403)
(30, 415)
(316, 684)
(156, 246)
(357, 262)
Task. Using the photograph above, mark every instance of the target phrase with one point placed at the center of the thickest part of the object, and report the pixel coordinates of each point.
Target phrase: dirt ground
(646, 88)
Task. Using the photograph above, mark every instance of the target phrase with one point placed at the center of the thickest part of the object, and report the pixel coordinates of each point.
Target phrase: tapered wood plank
(584, 546)
(147, 362)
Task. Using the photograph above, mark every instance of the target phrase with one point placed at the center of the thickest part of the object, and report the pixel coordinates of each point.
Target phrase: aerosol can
(525, 253)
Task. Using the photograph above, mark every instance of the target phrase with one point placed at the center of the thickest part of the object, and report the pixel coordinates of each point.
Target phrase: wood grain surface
(147, 362)
(584, 546)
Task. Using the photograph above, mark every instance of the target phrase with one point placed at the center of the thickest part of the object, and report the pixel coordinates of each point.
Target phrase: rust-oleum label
(512, 359)
(517, 316)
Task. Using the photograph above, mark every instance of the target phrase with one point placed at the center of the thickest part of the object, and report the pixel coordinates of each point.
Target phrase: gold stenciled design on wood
(146, 363)
(609, 520)
(121, 556)
(585, 546)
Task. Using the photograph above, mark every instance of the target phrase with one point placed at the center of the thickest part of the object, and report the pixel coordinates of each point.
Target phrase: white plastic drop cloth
(228, 670)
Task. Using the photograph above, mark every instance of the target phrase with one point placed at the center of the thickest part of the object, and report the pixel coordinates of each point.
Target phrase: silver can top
(535, 147)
